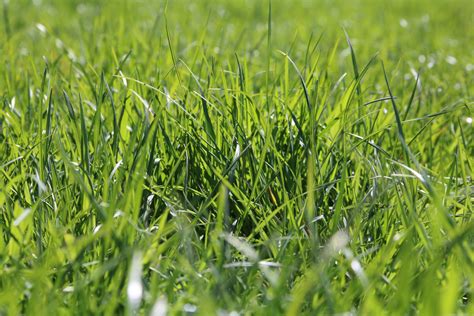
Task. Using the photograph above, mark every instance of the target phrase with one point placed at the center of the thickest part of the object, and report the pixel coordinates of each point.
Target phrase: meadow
(236, 157)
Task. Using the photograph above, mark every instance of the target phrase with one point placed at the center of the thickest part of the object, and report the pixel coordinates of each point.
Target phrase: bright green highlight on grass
(236, 157)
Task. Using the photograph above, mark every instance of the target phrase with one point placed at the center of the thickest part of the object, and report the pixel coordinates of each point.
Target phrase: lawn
(236, 157)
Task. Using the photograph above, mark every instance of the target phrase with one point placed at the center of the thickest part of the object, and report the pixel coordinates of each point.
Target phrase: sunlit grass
(236, 157)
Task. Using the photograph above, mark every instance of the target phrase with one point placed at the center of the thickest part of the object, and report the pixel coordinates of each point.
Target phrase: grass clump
(236, 157)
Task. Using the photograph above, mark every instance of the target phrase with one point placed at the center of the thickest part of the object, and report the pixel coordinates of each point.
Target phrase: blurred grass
(178, 157)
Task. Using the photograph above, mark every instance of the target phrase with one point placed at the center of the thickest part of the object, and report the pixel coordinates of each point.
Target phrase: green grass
(236, 157)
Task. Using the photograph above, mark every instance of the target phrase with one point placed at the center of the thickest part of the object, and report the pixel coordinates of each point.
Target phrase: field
(236, 157)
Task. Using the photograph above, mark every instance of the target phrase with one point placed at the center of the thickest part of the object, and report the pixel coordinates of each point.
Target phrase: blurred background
(433, 30)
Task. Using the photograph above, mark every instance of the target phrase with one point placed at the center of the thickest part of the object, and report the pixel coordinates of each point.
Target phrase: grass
(236, 157)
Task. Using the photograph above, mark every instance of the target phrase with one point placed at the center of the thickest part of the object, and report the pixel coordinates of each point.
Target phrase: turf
(236, 157)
